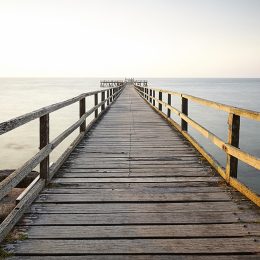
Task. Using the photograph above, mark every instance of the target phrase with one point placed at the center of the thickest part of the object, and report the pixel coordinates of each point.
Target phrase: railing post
(169, 103)
(147, 94)
(95, 103)
(44, 140)
(154, 98)
(82, 111)
(233, 139)
(110, 91)
(113, 94)
(150, 94)
(107, 97)
(160, 98)
(184, 110)
(102, 99)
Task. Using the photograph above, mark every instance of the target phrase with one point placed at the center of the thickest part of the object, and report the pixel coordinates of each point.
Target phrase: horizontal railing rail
(107, 97)
(155, 98)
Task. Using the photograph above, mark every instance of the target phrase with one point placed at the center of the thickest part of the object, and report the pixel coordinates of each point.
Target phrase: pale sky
(132, 38)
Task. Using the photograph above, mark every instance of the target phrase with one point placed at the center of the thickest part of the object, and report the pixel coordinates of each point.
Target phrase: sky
(129, 38)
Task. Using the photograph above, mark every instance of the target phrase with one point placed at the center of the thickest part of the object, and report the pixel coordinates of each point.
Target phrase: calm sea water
(22, 95)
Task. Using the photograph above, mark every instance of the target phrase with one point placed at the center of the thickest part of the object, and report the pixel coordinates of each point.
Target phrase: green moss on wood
(4, 253)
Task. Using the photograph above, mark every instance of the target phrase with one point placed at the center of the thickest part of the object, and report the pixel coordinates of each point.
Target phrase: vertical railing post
(160, 98)
(150, 94)
(110, 91)
(147, 94)
(113, 94)
(102, 99)
(44, 140)
(184, 110)
(154, 98)
(95, 103)
(116, 92)
(82, 111)
(107, 97)
(169, 103)
(233, 139)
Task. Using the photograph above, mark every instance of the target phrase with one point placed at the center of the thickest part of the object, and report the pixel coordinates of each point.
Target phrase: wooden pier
(111, 83)
(118, 83)
(131, 186)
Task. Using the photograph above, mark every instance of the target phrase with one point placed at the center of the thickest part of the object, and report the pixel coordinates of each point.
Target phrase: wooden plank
(138, 246)
(136, 185)
(59, 162)
(75, 174)
(194, 170)
(131, 195)
(130, 166)
(156, 190)
(144, 231)
(128, 207)
(141, 180)
(188, 217)
(140, 257)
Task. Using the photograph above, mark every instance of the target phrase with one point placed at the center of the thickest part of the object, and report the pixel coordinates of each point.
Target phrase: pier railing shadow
(102, 101)
(154, 98)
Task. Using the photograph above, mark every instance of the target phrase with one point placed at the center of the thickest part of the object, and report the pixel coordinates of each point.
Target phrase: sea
(22, 95)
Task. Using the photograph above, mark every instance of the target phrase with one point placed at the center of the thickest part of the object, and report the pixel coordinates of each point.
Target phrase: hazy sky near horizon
(132, 38)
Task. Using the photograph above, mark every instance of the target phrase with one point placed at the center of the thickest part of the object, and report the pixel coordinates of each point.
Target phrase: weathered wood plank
(142, 257)
(145, 231)
(130, 174)
(138, 246)
(134, 185)
(131, 195)
(90, 208)
(188, 217)
(141, 180)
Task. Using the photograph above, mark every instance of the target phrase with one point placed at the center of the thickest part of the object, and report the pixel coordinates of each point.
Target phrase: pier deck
(135, 186)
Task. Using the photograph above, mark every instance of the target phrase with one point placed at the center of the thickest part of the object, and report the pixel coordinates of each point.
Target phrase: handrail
(250, 114)
(231, 147)
(23, 119)
(46, 147)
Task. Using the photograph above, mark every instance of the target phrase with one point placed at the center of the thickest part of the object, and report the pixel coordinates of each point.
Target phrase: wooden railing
(111, 83)
(155, 98)
(107, 97)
